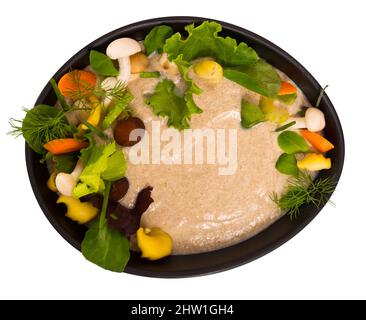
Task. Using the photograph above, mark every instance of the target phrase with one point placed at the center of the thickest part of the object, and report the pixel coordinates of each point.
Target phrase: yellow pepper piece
(272, 112)
(314, 162)
(82, 212)
(154, 243)
(209, 70)
(51, 184)
(95, 113)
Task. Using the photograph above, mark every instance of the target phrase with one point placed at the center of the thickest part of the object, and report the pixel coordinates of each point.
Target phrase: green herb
(116, 166)
(65, 162)
(59, 96)
(95, 130)
(150, 74)
(165, 102)
(302, 190)
(102, 64)
(96, 159)
(321, 94)
(203, 41)
(259, 77)
(41, 124)
(103, 246)
(85, 90)
(285, 126)
(119, 106)
(155, 39)
(291, 142)
(288, 99)
(287, 164)
(250, 114)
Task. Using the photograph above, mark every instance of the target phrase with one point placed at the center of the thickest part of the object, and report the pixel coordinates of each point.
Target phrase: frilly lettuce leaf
(203, 41)
(165, 102)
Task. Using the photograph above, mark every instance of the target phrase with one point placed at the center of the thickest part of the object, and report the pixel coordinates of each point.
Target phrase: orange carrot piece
(61, 146)
(77, 83)
(317, 141)
(286, 88)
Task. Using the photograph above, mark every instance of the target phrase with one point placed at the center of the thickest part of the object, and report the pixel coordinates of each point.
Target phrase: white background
(326, 260)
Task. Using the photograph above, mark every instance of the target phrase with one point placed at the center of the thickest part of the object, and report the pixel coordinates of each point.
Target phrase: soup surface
(199, 208)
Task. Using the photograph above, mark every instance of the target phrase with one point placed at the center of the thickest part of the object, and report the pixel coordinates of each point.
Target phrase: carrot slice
(317, 141)
(286, 88)
(77, 84)
(61, 146)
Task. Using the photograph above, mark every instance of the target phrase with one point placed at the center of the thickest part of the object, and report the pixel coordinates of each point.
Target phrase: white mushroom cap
(123, 47)
(314, 119)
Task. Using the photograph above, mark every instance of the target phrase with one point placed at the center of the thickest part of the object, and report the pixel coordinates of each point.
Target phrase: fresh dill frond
(304, 190)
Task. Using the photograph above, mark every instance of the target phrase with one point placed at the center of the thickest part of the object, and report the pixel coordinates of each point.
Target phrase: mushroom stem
(124, 69)
(300, 122)
(65, 182)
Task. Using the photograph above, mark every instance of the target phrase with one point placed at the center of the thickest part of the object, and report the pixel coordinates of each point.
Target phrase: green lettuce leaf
(165, 102)
(259, 77)
(203, 41)
(116, 166)
(155, 39)
(101, 162)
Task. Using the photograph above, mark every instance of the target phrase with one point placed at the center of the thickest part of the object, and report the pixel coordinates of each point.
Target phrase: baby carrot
(77, 84)
(61, 146)
(317, 141)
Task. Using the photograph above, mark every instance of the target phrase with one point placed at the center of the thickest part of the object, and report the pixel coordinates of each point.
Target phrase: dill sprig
(304, 190)
(84, 90)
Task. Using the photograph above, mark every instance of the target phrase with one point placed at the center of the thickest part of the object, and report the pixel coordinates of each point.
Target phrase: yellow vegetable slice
(154, 243)
(81, 212)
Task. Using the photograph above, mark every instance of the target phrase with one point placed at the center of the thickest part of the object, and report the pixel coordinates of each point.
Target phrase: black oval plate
(220, 260)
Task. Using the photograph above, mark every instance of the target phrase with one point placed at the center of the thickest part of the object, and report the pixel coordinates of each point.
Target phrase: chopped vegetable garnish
(286, 164)
(314, 162)
(317, 141)
(77, 84)
(286, 89)
(67, 145)
(154, 243)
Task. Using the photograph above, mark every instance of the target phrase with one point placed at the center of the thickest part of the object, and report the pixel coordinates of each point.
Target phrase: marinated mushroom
(124, 128)
(121, 49)
(314, 120)
(65, 182)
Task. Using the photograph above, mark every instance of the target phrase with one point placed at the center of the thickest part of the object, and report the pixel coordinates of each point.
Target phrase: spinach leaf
(287, 164)
(250, 114)
(259, 77)
(291, 142)
(155, 39)
(103, 246)
(65, 162)
(203, 41)
(102, 64)
(41, 124)
(165, 102)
